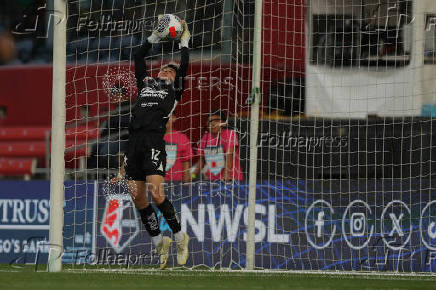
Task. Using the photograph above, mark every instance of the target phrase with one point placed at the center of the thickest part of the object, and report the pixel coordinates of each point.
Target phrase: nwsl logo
(118, 230)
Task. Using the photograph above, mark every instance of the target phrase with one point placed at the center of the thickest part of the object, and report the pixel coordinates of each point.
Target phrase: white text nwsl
(231, 219)
(152, 93)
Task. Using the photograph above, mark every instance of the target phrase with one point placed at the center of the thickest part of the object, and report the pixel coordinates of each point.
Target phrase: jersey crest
(171, 150)
(215, 161)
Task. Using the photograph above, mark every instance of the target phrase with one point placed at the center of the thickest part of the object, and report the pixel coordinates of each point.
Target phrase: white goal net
(345, 148)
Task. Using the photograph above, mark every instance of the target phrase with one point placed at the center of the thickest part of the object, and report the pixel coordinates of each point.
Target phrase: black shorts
(145, 156)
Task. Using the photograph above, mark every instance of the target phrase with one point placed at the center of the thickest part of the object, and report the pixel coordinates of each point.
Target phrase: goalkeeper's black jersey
(156, 98)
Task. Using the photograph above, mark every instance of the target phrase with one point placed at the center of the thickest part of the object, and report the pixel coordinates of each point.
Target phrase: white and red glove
(185, 37)
(154, 37)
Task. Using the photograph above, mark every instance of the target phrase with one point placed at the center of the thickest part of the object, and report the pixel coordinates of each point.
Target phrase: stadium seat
(23, 134)
(19, 144)
(40, 133)
(17, 167)
(23, 149)
(38, 148)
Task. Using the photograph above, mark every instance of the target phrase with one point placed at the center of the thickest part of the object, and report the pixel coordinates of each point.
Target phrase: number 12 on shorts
(155, 155)
(155, 159)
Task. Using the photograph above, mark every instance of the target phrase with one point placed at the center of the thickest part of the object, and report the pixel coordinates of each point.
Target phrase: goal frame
(57, 169)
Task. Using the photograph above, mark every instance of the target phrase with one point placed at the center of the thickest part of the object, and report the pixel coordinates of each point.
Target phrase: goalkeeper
(145, 159)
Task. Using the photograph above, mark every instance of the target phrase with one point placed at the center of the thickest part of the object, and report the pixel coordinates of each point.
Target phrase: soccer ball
(169, 26)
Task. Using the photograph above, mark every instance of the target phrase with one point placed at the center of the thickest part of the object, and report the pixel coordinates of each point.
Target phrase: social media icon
(319, 223)
(427, 226)
(357, 224)
(431, 230)
(396, 224)
(396, 234)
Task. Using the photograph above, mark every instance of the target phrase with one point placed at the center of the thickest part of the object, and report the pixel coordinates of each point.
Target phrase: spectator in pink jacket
(219, 150)
(179, 154)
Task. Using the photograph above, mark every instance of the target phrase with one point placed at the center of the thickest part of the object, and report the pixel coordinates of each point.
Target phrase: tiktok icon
(427, 225)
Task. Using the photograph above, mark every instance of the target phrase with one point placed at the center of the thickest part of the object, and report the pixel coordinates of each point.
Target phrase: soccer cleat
(163, 249)
(182, 250)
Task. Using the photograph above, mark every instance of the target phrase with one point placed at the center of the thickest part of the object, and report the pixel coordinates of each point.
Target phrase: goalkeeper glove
(154, 37)
(185, 37)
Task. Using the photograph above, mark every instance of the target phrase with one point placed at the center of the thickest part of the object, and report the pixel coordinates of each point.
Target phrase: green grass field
(186, 279)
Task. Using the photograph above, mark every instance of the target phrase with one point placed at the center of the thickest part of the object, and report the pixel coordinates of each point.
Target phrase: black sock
(169, 214)
(150, 221)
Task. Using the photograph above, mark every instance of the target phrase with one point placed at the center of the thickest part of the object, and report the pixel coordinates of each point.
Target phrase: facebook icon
(318, 216)
(319, 223)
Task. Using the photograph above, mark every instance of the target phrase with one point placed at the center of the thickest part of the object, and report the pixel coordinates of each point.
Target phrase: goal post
(254, 130)
(57, 171)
